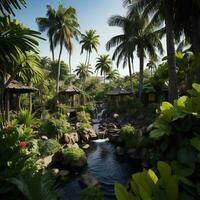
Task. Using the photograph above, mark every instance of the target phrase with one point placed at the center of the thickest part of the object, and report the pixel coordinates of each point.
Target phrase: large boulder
(71, 138)
(87, 134)
(87, 180)
(73, 157)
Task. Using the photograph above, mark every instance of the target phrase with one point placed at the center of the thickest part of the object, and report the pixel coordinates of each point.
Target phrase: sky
(91, 14)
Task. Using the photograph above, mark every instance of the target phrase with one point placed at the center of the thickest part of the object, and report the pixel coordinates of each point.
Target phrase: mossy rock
(74, 157)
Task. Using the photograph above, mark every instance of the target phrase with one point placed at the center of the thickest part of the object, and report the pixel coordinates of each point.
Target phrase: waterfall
(98, 116)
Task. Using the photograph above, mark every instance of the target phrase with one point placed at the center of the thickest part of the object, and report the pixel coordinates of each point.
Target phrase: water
(106, 166)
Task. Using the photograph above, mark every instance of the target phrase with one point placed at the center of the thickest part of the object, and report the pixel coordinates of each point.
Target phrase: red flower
(22, 144)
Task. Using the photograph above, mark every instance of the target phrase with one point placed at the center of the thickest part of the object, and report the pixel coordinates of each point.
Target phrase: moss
(48, 147)
(73, 153)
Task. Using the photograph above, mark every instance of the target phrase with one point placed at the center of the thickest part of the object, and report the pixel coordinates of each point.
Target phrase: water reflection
(106, 167)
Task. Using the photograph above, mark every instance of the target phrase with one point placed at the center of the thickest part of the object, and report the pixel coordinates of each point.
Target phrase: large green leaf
(196, 87)
(157, 134)
(195, 142)
(122, 194)
(182, 170)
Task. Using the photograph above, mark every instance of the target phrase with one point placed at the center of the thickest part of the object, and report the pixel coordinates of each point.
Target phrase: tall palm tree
(113, 74)
(83, 71)
(140, 37)
(66, 29)
(124, 46)
(48, 24)
(89, 41)
(151, 65)
(162, 10)
(103, 64)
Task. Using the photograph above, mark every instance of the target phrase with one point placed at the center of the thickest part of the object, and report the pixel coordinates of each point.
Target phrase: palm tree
(48, 24)
(124, 46)
(113, 74)
(151, 65)
(140, 37)
(103, 64)
(89, 41)
(83, 71)
(66, 28)
(6, 6)
(162, 10)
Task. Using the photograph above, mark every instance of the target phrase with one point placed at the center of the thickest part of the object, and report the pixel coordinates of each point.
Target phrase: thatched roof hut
(71, 90)
(119, 91)
(17, 87)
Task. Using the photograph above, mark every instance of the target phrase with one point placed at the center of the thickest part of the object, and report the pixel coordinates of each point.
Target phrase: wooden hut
(15, 88)
(118, 94)
(72, 93)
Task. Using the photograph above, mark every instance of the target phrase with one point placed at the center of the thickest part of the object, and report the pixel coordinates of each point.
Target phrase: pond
(106, 166)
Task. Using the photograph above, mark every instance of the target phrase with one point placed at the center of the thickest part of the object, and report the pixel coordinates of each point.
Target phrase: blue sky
(91, 14)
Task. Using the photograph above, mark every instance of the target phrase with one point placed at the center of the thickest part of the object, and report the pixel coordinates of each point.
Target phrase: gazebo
(15, 88)
(118, 94)
(71, 92)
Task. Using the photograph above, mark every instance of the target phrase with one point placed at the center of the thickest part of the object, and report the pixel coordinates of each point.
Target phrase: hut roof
(118, 91)
(70, 90)
(17, 87)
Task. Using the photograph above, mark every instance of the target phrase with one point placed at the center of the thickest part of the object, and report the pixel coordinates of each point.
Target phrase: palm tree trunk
(195, 21)
(171, 60)
(89, 58)
(141, 55)
(52, 49)
(70, 65)
(130, 74)
(86, 59)
(58, 75)
(104, 77)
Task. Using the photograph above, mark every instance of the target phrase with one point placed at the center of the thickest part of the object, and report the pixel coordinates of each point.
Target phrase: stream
(106, 166)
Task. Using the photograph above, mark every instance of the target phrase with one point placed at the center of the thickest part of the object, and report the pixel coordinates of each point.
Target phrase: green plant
(83, 117)
(147, 186)
(91, 193)
(37, 186)
(73, 154)
(55, 127)
(129, 135)
(25, 117)
(48, 147)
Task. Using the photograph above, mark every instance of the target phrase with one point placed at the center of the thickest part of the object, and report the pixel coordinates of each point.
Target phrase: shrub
(83, 117)
(91, 193)
(73, 154)
(48, 147)
(25, 117)
(55, 127)
(129, 135)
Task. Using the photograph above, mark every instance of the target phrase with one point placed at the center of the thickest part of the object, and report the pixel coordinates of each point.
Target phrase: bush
(83, 117)
(129, 135)
(73, 154)
(48, 147)
(55, 127)
(25, 117)
(91, 193)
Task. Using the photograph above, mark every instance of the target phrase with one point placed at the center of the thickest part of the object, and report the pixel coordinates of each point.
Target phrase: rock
(75, 145)
(46, 161)
(71, 138)
(112, 126)
(44, 137)
(64, 173)
(86, 146)
(115, 115)
(113, 130)
(87, 134)
(120, 151)
(131, 151)
(102, 134)
(87, 180)
(55, 172)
